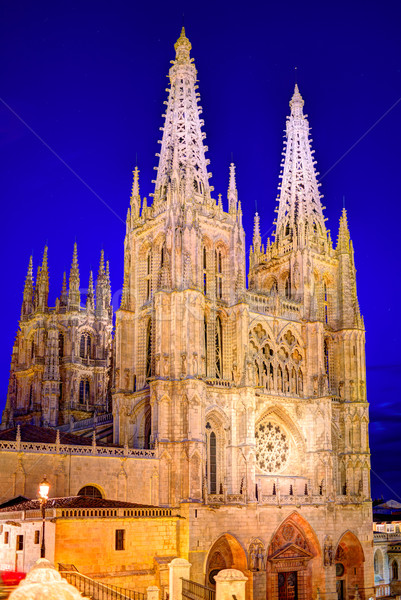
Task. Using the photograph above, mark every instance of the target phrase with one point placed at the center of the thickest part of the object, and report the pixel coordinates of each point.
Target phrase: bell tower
(184, 269)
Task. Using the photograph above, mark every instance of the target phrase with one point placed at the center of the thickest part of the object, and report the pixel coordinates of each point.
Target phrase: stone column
(179, 568)
(230, 583)
(152, 593)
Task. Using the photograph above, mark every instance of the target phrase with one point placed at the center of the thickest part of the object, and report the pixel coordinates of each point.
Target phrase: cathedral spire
(182, 155)
(299, 199)
(135, 197)
(27, 304)
(74, 296)
(64, 293)
(343, 241)
(42, 283)
(232, 194)
(257, 240)
(90, 296)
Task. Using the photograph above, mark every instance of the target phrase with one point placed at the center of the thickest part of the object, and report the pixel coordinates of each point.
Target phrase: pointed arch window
(84, 391)
(325, 302)
(326, 358)
(219, 274)
(219, 349)
(85, 346)
(394, 568)
(148, 278)
(213, 463)
(287, 289)
(162, 255)
(205, 341)
(149, 349)
(60, 345)
(204, 262)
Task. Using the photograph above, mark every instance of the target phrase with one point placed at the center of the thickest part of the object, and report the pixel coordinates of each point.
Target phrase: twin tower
(243, 389)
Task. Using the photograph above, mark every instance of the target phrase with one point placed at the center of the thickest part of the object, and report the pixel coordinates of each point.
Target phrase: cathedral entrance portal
(289, 561)
(226, 553)
(287, 586)
(349, 559)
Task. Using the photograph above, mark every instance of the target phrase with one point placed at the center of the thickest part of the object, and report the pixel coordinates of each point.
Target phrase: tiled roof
(46, 435)
(75, 502)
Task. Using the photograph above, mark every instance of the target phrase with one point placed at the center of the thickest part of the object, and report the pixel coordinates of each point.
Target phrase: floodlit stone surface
(44, 582)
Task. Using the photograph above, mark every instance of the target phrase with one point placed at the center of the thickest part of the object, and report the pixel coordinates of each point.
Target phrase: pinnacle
(296, 98)
(101, 263)
(182, 47)
(232, 183)
(74, 263)
(135, 184)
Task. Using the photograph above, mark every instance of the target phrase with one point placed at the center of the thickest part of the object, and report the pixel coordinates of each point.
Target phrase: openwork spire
(74, 296)
(232, 193)
(299, 199)
(27, 304)
(182, 162)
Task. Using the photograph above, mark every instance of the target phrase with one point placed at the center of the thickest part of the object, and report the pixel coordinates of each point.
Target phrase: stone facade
(252, 398)
(61, 361)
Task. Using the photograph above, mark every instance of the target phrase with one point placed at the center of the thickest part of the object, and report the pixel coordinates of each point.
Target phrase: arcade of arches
(293, 564)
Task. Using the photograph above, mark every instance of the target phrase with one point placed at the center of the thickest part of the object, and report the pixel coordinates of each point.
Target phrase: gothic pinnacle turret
(135, 197)
(232, 194)
(343, 241)
(27, 304)
(74, 296)
(90, 296)
(257, 240)
(42, 284)
(182, 157)
(299, 199)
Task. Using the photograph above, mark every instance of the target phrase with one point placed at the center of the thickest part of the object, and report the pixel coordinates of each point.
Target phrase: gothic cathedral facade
(253, 395)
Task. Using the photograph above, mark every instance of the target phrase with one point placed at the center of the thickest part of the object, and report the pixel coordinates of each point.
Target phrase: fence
(196, 591)
(95, 590)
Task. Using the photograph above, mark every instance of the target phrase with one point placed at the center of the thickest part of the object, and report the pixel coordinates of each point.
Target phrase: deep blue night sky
(86, 81)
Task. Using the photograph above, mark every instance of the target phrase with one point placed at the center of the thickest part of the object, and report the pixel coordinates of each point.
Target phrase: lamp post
(44, 487)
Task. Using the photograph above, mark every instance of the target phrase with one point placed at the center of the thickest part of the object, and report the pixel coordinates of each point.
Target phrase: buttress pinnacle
(182, 48)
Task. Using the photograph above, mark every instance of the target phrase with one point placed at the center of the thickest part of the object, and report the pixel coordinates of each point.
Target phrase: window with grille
(91, 491)
(84, 391)
(20, 542)
(85, 346)
(120, 539)
(36, 537)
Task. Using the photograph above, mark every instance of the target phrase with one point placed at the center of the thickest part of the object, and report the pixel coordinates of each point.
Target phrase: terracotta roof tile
(75, 502)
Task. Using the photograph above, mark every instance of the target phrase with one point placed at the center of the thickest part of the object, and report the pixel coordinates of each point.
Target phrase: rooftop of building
(74, 502)
(46, 435)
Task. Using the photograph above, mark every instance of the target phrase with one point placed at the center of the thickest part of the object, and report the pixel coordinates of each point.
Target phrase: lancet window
(84, 391)
(214, 461)
(219, 274)
(149, 349)
(204, 264)
(276, 370)
(219, 349)
(148, 277)
(60, 345)
(205, 342)
(85, 345)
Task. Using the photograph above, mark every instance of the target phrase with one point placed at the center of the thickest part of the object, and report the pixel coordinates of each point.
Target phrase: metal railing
(196, 591)
(95, 590)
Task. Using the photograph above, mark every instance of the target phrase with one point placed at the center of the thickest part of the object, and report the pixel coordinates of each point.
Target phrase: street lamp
(44, 487)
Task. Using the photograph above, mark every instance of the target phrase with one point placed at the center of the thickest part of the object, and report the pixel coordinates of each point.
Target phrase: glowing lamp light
(44, 488)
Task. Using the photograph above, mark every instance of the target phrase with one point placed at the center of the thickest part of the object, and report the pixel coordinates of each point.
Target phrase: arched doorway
(349, 559)
(226, 553)
(292, 561)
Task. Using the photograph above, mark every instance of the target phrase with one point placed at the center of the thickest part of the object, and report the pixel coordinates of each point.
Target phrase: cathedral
(246, 390)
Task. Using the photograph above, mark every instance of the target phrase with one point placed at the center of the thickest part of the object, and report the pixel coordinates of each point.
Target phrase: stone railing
(52, 513)
(274, 305)
(215, 382)
(384, 536)
(87, 423)
(93, 450)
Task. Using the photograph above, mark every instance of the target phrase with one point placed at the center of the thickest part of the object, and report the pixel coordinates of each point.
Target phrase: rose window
(272, 447)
